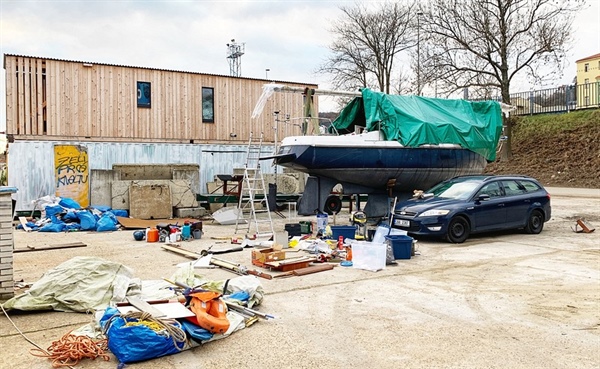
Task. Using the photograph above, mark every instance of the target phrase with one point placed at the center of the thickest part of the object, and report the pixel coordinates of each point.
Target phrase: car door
(516, 203)
(488, 214)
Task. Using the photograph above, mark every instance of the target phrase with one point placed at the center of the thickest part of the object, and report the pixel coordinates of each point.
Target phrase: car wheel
(333, 205)
(535, 223)
(458, 230)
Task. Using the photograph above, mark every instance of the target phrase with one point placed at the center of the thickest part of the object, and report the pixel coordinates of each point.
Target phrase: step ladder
(253, 205)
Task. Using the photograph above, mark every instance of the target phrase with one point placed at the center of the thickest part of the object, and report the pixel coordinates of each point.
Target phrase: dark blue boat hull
(372, 167)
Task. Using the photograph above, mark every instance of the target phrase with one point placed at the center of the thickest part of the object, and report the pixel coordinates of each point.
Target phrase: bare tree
(366, 45)
(486, 43)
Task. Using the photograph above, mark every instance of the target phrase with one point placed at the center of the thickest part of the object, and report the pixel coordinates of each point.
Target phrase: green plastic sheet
(417, 120)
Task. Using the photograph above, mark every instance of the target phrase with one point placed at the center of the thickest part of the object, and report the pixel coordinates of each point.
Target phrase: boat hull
(373, 167)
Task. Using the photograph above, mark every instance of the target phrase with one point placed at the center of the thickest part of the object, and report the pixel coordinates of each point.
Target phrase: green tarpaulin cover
(417, 120)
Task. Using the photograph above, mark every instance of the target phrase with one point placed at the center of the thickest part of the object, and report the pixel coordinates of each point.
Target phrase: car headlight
(434, 213)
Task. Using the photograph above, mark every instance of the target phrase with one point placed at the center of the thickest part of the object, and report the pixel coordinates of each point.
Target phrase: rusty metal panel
(31, 163)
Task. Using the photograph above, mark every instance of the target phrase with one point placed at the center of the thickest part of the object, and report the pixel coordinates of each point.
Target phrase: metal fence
(556, 100)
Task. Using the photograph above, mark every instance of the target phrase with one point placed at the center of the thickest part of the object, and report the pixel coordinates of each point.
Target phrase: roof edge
(150, 68)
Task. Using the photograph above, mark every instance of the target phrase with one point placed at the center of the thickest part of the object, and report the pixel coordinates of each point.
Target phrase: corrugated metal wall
(31, 163)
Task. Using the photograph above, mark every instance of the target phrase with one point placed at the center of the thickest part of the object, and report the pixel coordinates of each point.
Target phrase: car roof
(489, 177)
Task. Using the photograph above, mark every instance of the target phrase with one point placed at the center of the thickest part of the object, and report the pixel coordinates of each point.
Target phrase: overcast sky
(288, 37)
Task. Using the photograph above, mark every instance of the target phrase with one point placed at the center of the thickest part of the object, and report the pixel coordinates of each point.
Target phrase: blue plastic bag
(87, 220)
(53, 227)
(101, 208)
(71, 216)
(107, 223)
(72, 227)
(136, 342)
(120, 213)
(54, 210)
(69, 203)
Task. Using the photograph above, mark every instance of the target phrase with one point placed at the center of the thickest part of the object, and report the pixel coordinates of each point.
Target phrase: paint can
(197, 234)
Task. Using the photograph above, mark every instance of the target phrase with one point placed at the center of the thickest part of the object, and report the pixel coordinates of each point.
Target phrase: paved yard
(506, 300)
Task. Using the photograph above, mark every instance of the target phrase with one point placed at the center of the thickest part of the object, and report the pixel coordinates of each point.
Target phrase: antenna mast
(234, 57)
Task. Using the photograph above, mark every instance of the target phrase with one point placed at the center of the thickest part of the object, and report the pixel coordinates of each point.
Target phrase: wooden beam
(51, 247)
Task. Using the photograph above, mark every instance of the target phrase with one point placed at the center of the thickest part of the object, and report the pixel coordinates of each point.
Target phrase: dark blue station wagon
(461, 206)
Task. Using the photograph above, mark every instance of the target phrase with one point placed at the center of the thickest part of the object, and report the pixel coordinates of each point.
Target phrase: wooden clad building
(53, 99)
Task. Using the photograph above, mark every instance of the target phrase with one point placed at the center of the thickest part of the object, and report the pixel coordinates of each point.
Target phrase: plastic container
(344, 231)
(293, 229)
(401, 246)
(152, 235)
(197, 234)
(321, 222)
(384, 230)
(306, 227)
(186, 232)
(368, 255)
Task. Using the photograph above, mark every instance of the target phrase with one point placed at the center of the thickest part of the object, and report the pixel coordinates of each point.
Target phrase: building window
(208, 105)
(143, 94)
(586, 67)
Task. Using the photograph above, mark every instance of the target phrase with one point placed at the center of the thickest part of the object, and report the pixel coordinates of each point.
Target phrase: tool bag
(132, 343)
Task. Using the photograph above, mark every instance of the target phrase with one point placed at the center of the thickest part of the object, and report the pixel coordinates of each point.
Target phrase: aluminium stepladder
(253, 205)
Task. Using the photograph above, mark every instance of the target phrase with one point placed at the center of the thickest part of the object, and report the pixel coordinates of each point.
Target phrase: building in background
(588, 81)
(116, 114)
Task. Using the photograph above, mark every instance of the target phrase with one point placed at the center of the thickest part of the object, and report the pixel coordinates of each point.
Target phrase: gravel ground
(506, 300)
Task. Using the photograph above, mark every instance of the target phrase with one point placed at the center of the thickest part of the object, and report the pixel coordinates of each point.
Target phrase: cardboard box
(260, 257)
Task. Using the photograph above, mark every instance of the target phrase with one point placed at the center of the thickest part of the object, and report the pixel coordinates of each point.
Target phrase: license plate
(402, 223)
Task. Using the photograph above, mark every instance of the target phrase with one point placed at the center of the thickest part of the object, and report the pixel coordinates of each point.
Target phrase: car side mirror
(483, 197)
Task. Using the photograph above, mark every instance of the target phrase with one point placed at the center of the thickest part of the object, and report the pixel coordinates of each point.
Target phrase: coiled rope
(70, 349)
(158, 325)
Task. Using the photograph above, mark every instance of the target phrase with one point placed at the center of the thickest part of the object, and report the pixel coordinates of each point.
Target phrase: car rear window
(530, 186)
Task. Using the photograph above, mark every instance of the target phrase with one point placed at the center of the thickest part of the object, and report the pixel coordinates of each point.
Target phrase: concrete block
(190, 212)
(120, 194)
(150, 202)
(182, 194)
(6, 295)
(192, 177)
(100, 186)
(135, 172)
(215, 207)
(5, 255)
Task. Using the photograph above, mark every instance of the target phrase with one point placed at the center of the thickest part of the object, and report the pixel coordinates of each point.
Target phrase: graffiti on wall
(71, 169)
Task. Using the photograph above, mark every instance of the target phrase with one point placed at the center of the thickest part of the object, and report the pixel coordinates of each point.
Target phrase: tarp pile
(66, 215)
(85, 284)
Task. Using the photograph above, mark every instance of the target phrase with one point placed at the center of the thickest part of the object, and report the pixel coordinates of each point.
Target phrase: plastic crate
(401, 246)
(368, 255)
(345, 231)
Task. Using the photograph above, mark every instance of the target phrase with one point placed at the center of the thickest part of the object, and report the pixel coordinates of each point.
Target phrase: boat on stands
(388, 146)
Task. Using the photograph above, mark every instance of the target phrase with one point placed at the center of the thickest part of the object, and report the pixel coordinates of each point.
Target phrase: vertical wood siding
(68, 100)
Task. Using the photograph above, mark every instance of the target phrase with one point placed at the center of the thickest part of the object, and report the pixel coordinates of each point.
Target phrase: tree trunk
(506, 152)
(507, 121)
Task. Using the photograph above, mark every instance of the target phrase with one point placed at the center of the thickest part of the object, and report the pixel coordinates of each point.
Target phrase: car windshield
(454, 190)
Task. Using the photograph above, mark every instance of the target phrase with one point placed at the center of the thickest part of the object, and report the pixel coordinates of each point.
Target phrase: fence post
(531, 102)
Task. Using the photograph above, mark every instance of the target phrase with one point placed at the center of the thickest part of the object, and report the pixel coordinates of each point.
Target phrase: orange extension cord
(70, 349)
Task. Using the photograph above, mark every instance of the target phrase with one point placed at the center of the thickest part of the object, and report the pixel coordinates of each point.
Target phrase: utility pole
(419, 14)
